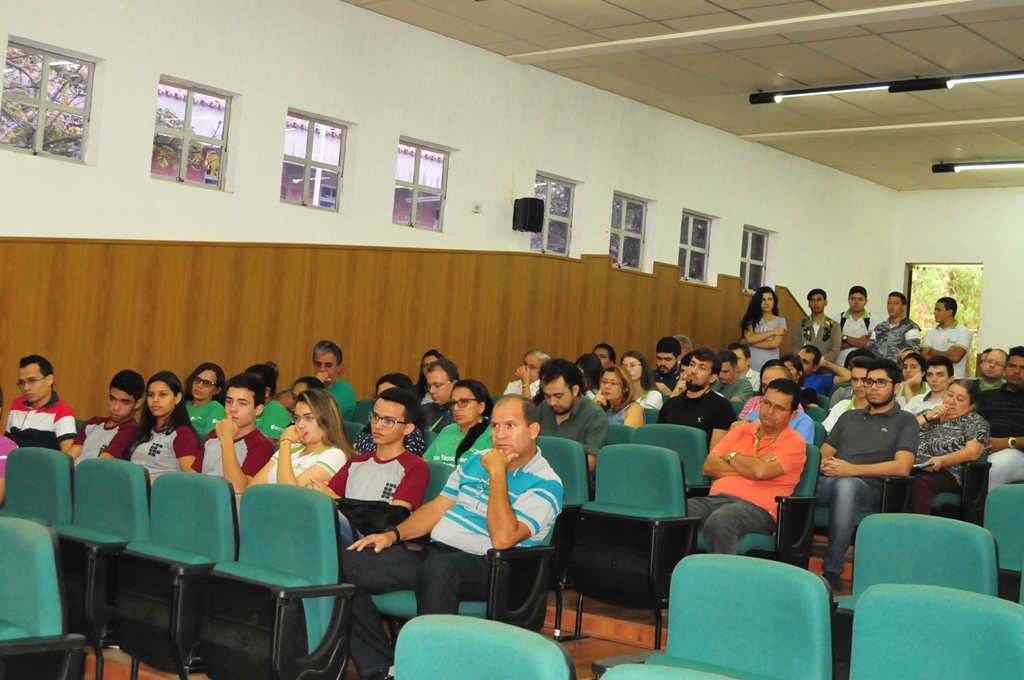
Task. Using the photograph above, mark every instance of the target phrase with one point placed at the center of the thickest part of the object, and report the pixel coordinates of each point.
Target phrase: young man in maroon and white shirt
(39, 417)
(116, 430)
(236, 450)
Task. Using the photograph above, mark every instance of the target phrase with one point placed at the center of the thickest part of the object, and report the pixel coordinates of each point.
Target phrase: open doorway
(927, 282)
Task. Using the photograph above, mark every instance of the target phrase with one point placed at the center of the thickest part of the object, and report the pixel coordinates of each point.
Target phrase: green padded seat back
(1004, 517)
(290, 531)
(112, 497)
(362, 413)
(819, 434)
(922, 550)
(38, 485)
(30, 596)
(895, 626)
(569, 461)
(429, 437)
(440, 647)
(689, 443)
(836, 387)
(817, 413)
(208, 502)
(640, 481)
(777, 617)
(650, 415)
(353, 430)
(620, 434)
(808, 484)
(737, 406)
(439, 474)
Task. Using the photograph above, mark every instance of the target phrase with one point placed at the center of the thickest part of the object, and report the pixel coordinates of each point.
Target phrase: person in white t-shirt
(854, 324)
(527, 382)
(950, 339)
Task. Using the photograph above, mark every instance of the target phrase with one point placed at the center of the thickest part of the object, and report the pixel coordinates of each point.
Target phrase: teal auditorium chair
(743, 618)
(162, 581)
(650, 672)
(689, 443)
(440, 647)
(1004, 517)
(820, 434)
(817, 413)
(620, 434)
(737, 407)
(917, 550)
(969, 503)
(634, 533)
(838, 386)
(439, 474)
(794, 533)
(279, 612)
(353, 430)
(895, 498)
(907, 631)
(39, 486)
(650, 415)
(429, 437)
(111, 510)
(362, 413)
(34, 642)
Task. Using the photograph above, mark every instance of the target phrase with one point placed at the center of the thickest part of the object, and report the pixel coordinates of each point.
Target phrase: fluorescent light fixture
(779, 97)
(1010, 75)
(983, 165)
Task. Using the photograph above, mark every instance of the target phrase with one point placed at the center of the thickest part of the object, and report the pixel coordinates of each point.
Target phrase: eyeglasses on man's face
(876, 382)
(387, 422)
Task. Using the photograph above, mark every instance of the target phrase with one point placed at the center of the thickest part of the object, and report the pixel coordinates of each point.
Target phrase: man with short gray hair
(527, 382)
(327, 360)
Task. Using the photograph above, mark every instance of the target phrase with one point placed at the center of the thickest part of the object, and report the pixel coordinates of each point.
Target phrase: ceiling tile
(750, 43)
(963, 98)
(764, 118)
(792, 10)
(613, 82)
(827, 108)
(613, 58)
(1013, 12)
(825, 34)
(740, 74)
(880, 174)
(1014, 133)
(561, 64)
(886, 104)
(916, 145)
(679, 50)
(802, 65)
(982, 144)
(876, 57)
(673, 80)
(644, 30)
(500, 15)
(850, 5)
(659, 10)
(574, 39)
(439, 22)
(585, 14)
(733, 5)
(957, 50)
(688, 108)
(1008, 34)
(909, 24)
(512, 47)
(705, 22)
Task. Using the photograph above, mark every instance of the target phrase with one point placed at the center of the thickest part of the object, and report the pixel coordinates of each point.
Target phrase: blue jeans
(845, 498)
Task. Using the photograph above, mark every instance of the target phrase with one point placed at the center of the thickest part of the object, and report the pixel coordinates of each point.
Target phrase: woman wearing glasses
(471, 431)
(641, 381)
(313, 448)
(616, 398)
(203, 397)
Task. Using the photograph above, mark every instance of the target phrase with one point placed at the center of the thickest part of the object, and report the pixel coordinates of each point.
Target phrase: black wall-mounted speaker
(528, 215)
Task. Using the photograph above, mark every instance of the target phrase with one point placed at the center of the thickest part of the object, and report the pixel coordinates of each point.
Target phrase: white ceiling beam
(913, 10)
(974, 122)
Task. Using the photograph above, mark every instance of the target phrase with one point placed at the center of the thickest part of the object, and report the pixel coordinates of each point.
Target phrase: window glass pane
(170, 107)
(682, 261)
(431, 168)
(18, 125)
(323, 188)
(617, 213)
(327, 144)
(684, 231)
(756, 277)
(634, 217)
(68, 82)
(561, 201)
(631, 253)
(558, 236)
(296, 132)
(203, 163)
(428, 210)
(402, 210)
(746, 238)
(613, 247)
(62, 134)
(208, 115)
(697, 265)
(406, 163)
(700, 233)
(23, 72)
(536, 240)
(291, 182)
(540, 189)
(757, 243)
(743, 275)
(166, 155)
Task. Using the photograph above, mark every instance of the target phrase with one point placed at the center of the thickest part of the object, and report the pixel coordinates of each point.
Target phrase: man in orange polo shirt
(754, 463)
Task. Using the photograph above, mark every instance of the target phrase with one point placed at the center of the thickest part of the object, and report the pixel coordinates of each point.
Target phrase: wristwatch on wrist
(1011, 442)
(733, 454)
(393, 528)
(845, 338)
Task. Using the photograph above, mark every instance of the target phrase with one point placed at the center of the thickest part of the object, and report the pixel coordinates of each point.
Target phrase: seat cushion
(626, 510)
(86, 534)
(401, 604)
(164, 552)
(261, 574)
(19, 515)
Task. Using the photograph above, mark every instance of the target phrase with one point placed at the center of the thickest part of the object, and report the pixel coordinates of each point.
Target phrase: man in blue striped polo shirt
(500, 498)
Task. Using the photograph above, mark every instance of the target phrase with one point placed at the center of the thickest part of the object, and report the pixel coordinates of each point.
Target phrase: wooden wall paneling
(592, 321)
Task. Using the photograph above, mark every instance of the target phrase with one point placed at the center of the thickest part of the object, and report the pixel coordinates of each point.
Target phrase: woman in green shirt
(471, 431)
(203, 397)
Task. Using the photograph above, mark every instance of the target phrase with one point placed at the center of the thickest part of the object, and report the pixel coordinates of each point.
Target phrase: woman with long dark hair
(641, 380)
(165, 440)
(591, 368)
(204, 397)
(763, 328)
(471, 431)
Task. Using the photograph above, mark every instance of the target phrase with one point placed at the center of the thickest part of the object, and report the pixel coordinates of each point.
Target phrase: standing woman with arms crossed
(763, 328)
(165, 440)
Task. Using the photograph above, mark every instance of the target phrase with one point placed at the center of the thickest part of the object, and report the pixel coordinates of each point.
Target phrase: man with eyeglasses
(39, 417)
(527, 382)
(566, 413)
(441, 377)
(754, 463)
(1004, 410)
(499, 498)
(878, 441)
(606, 353)
(327, 358)
(992, 367)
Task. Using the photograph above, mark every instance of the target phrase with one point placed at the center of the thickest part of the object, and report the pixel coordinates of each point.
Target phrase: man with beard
(566, 413)
(1004, 410)
(698, 406)
(666, 354)
(991, 369)
(864, 445)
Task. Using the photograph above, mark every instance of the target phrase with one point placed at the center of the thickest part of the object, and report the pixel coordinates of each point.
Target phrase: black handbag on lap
(370, 517)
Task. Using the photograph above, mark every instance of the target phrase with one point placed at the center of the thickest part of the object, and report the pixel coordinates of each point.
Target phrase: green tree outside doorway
(962, 282)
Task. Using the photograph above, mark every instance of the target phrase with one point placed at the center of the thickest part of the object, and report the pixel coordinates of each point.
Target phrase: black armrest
(794, 533)
(974, 491)
(697, 490)
(50, 643)
(191, 570)
(95, 549)
(896, 493)
(674, 538)
(518, 591)
(512, 554)
(302, 592)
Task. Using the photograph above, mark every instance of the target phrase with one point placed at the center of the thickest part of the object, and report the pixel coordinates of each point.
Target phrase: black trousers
(442, 576)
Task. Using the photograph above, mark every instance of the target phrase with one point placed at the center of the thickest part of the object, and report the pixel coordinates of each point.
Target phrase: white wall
(972, 226)
(504, 122)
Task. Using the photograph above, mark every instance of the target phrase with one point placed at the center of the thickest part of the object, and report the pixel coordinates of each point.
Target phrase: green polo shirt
(204, 417)
(741, 389)
(345, 396)
(587, 424)
(274, 419)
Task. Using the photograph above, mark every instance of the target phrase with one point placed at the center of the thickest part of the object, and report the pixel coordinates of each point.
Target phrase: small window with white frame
(314, 158)
(190, 137)
(421, 181)
(629, 221)
(558, 196)
(46, 102)
(753, 258)
(694, 247)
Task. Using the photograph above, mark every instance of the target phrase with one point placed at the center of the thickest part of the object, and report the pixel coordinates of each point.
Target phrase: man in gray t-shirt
(864, 445)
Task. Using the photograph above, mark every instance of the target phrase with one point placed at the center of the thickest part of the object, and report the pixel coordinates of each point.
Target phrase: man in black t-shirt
(1004, 410)
(698, 406)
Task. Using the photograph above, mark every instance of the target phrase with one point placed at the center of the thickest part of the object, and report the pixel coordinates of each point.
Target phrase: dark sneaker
(835, 583)
(382, 674)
